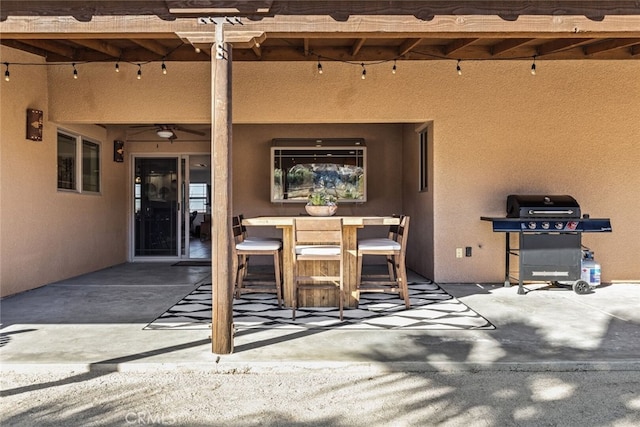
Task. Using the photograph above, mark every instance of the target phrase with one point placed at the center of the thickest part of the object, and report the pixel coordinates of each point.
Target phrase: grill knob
(545, 225)
(532, 225)
(559, 226)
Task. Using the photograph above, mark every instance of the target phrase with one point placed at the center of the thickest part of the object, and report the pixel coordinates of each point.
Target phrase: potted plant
(321, 204)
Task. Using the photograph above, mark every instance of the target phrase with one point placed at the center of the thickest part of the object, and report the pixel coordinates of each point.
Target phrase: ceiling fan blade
(194, 132)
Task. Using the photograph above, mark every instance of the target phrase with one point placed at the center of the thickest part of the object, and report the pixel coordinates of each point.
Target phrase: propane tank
(590, 269)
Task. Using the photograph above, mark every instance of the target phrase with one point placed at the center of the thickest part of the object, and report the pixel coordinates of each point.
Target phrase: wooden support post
(221, 289)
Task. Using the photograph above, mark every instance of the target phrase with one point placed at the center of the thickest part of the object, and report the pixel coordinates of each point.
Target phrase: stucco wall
(251, 166)
(47, 235)
(497, 130)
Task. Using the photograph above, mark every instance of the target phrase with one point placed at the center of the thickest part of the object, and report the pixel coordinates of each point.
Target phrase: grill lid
(540, 206)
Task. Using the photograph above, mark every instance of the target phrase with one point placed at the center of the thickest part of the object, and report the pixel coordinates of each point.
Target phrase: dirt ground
(196, 398)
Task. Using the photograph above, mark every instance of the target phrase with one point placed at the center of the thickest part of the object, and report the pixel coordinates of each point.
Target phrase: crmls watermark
(149, 418)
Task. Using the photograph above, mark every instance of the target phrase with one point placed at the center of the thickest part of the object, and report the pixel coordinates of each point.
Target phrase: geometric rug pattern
(432, 308)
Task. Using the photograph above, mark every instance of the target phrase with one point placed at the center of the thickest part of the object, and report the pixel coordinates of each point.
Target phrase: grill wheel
(581, 287)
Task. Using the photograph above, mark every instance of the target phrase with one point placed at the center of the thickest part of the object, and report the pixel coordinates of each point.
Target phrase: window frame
(423, 159)
(79, 160)
(204, 199)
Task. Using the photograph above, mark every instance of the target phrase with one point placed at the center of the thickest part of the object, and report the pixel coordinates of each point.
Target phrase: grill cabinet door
(550, 257)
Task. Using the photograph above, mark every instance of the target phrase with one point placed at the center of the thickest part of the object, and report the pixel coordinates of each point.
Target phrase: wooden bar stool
(393, 248)
(317, 240)
(242, 249)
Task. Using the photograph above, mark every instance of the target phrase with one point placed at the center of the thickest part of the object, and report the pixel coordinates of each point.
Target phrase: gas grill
(549, 245)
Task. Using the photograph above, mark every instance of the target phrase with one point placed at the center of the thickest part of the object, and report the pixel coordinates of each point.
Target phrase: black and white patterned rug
(431, 308)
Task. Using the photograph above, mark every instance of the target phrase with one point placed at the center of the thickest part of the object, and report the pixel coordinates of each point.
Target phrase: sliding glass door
(171, 207)
(156, 207)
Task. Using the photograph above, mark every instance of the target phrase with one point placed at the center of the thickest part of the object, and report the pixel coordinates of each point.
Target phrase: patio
(97, 322)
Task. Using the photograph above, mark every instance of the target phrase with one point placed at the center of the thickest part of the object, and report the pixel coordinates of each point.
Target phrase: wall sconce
(34, 125)
(118, 151)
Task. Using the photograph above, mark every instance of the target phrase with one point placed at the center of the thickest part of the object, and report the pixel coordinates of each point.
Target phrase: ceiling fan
(169, 131)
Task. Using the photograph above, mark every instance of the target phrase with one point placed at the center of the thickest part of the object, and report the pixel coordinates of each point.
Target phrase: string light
(320, 70)
(533, 67)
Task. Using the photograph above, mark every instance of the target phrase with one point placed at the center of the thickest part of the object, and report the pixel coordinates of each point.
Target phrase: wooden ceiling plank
(507, 45)
(560, 45)
(152, 45)
(101, 46)
(609, 45)
(635, 50)
(306, 46)
(408, 45)
(357, 46)
(457, 45)
(53, 46)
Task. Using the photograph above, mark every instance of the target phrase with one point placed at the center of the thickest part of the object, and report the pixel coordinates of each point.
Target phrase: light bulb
(319, 68)
(117, 67)
(139, 72)
(394, 68)
(7, 74)
(458, 68)
(75, 72)
(533, 67)
(164, 68)
(364, 72)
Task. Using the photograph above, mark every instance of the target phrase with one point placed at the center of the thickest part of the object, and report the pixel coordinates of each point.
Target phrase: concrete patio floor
(95, 322)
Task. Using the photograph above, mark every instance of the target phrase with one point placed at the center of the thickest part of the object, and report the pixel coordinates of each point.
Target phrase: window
(90, 166)
(75, 175)
(198, 197)
(66, 162)
(424, 161)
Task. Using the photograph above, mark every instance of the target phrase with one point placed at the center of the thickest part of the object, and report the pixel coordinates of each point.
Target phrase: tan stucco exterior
(495, 130)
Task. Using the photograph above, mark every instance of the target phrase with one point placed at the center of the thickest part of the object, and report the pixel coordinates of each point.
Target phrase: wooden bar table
(350, 226)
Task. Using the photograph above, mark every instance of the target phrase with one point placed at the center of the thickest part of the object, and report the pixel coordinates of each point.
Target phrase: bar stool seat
(381, 244)
(259, 245)
(242, 249)
(394, 249)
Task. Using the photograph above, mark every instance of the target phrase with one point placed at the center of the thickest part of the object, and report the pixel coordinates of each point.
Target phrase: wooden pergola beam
(507, 45)
(609, 45)
(560, 45)
(407, 46)
(357, 46)
(100, 46)
(305, 42)
(152, 45)
(48, 45)
(456, 45)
